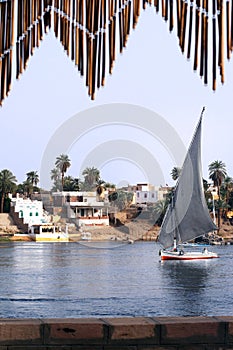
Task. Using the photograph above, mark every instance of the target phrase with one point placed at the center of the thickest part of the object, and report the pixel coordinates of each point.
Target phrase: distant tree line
(92, 182)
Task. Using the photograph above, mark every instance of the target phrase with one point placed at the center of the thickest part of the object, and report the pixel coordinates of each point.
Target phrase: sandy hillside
(7, 225)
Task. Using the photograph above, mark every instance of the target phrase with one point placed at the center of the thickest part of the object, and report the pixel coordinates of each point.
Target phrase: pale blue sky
(150, 73)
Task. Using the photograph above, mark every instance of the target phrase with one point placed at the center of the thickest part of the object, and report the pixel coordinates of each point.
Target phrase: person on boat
(175, 246)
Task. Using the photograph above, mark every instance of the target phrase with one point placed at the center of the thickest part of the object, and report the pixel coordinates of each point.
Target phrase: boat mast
(177, 237)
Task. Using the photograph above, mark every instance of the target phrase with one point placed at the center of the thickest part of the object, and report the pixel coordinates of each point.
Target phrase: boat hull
(172, 255)
(49, 238)
(48, 232)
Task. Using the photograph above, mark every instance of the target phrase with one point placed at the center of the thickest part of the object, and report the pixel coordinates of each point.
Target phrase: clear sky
(151, 73)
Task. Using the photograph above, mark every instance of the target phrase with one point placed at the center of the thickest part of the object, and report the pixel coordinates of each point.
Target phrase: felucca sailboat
(187, 216)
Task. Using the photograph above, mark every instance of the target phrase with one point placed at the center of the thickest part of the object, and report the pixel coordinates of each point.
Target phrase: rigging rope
(92, 32)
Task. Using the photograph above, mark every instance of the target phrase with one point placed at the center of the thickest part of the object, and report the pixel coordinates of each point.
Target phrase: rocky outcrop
(22, 227)
(7, 225)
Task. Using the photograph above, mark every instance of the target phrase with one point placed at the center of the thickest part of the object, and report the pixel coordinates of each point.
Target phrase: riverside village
(84, 215)
(94, 210)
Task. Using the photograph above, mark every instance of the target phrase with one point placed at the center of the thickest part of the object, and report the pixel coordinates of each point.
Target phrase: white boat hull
(86, 236)
(180, 255)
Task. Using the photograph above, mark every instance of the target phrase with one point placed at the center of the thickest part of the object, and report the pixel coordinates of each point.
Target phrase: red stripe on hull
(187, 258)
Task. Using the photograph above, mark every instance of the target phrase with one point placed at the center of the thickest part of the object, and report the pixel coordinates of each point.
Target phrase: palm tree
(91, 177)
(217, 173)
(20, 188)
(7, 185)
(71, 184)
(227, 187)
(76, 184)
(121, 199)
(159, 210)
(25, 188)
(33, 177)
(32, 180)
(62, 163)
(175, 173)
(55, 176)
(28, 188)
(225, 193)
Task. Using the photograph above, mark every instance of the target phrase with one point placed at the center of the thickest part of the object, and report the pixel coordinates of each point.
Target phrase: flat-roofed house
(84, 207)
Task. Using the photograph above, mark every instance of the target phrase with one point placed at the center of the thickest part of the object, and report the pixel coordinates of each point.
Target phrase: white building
(146, 193)
(30, 211)
(83, 206)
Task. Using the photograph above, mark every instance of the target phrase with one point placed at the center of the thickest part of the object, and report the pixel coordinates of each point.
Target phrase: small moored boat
(86, 236)
(48, 232)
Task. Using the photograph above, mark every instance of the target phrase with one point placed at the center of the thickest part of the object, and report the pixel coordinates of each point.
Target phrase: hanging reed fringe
(95, 30)
(19, 36)
(92, 32)
(6, 45)
(197, 22)
(33, 19)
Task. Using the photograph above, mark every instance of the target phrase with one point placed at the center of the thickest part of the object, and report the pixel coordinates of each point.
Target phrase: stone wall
(139, 333)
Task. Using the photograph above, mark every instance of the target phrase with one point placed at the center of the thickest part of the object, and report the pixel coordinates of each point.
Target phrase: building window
(138, 194)
(145, 195)
(30, 214)
(152, 195)
(37, 214)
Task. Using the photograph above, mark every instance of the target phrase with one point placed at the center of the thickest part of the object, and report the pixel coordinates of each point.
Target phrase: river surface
(51, 280)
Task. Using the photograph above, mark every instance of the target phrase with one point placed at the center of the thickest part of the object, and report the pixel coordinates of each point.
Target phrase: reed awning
(93, 32)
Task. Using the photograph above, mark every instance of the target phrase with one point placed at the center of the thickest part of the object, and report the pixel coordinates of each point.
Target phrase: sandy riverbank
(139, 232)
(132, 231)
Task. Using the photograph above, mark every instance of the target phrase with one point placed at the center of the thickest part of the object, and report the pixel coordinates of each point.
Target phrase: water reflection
(103, 245)
(185, 283)
(187, 274)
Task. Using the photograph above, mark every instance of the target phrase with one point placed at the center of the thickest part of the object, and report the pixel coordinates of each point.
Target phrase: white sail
(187, 216)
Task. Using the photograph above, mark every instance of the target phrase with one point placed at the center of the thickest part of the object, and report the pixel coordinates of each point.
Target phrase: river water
(51, 280)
